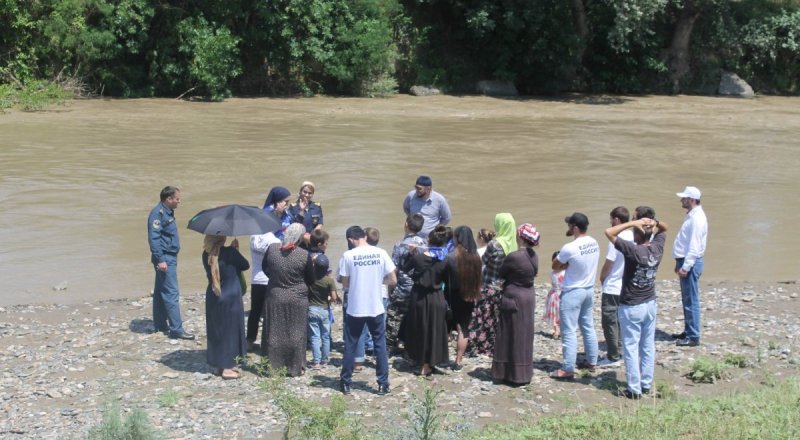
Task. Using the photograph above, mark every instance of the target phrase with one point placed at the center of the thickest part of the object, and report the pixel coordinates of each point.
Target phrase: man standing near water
(579, 259)
(430, 204)
(162, 235)
(611, 279)
(363, 269)
(688, 250)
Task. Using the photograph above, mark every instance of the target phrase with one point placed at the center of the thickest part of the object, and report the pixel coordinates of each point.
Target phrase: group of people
(438, 284)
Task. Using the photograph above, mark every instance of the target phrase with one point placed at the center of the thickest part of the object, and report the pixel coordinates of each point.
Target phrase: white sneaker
(606, 362)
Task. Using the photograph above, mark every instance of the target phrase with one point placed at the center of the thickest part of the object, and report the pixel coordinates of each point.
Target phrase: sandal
(230, 374)
(562, 375)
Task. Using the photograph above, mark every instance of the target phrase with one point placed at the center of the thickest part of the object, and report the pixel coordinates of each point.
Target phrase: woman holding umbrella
(224, 309)
(290, 272)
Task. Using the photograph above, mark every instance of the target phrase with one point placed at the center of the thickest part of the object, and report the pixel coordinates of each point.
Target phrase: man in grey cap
(688, 250)
(430, 204)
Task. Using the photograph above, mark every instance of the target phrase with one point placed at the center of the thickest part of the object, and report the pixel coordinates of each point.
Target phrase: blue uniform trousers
(166, 310)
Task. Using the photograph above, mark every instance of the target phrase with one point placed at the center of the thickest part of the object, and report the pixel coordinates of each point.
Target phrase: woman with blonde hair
(225, 334)
(305, 210)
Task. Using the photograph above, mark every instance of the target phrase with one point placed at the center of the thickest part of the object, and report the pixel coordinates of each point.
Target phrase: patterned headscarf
(506, 232)
(294, 233)
(529, 233)
(212, 245)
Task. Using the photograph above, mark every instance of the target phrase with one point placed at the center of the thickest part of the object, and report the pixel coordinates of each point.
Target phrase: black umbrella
(233, 220)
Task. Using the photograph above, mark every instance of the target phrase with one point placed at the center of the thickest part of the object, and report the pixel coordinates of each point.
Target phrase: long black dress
(226, 338)
(426, 331)
(513, 346)
(462, 310)
(283, 340)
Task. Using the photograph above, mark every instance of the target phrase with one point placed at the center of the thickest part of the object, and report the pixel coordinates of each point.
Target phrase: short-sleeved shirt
(434, 210)
(582, 254)
(641, 265)
(366, 266)
(612, 285)
(320, 292)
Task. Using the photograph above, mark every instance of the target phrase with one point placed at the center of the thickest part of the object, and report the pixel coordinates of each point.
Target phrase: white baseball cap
(691, 192)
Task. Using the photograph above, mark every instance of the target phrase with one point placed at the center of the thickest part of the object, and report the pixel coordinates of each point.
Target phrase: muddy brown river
(77, 182)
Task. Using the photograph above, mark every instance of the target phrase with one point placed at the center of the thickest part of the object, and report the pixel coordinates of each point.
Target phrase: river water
(78, 181)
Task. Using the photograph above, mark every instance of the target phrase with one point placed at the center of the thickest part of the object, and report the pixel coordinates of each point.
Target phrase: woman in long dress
(290, 272)
(513, 349)
(462, 286)
(277, 203)
(226, 339)
(426, 341)
(484, 316)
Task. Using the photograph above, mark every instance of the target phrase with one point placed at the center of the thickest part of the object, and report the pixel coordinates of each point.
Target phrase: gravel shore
(62, 365)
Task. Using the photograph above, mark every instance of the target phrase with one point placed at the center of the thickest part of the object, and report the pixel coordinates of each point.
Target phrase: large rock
(496, 88)
(424, 91)
(731, 85)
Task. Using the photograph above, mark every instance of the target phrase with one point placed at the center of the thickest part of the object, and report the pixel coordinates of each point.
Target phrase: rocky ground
(62, 366)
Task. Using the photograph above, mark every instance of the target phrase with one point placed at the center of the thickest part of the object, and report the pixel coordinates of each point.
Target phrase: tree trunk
(678, 59)
(582, 29)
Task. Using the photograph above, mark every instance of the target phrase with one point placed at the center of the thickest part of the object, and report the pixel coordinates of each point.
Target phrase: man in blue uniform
(162, 235)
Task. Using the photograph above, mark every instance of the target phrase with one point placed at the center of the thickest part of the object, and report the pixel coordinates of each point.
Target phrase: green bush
(135, 426)
(213, 56)
(705, 370)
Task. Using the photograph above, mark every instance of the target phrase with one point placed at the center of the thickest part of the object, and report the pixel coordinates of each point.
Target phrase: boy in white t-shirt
(362, 271)
(611, 279)
(578, 259)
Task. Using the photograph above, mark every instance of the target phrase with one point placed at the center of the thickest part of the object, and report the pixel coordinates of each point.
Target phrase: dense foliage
(375, 47)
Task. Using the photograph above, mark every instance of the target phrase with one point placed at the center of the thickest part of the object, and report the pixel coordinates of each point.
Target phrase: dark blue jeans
(354, 326)
(166, 310)
(690, 296)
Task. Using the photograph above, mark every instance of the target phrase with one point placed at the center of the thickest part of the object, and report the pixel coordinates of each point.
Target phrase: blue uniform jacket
(162, 234)
(310, 219)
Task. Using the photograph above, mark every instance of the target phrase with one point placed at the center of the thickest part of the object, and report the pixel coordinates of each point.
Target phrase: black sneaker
(383, 389)
(681, 335)
(645, 391)
(344, 388)
(629, 394)
(181, 335)
(687, 342)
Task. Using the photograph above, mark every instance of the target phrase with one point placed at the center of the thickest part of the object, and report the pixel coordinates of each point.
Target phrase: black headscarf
(463, 236)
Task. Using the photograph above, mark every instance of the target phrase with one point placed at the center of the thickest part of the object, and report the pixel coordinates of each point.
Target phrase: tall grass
(772, 413)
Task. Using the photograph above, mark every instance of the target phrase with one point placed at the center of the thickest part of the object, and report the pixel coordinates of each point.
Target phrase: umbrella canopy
(233, 220)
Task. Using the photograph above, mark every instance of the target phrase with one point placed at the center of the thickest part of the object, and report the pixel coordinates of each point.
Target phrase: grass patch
(772, 345)
(736, 360)
(33, 95)
(705, 370)
(770, 413)
(136, 426)
(306, 419)
(168, 399)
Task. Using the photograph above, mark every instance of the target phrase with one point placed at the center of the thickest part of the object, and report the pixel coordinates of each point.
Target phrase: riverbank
(64, 364)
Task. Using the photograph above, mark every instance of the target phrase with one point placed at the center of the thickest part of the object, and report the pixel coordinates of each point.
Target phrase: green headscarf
(506, 232)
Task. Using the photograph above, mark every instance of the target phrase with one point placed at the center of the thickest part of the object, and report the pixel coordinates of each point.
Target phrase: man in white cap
(688, 250)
